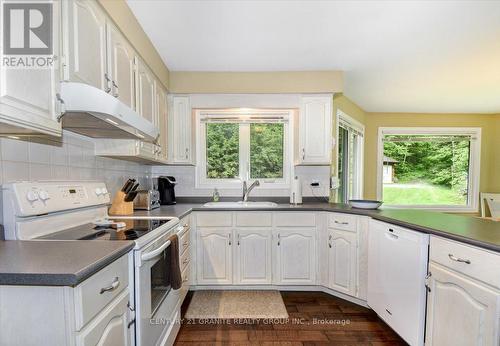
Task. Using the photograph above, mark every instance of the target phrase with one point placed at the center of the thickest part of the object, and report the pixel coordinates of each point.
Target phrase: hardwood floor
(315, 318)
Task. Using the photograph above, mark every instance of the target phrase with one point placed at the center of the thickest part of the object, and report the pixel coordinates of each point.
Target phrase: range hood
(92, 112)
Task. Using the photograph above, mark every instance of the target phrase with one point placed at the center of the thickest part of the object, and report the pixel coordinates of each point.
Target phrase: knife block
(119, 206)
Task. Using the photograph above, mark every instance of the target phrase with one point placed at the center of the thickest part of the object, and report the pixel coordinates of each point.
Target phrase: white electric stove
(74, 210)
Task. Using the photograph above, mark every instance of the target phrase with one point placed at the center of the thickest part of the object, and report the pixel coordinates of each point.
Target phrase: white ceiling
(406, 56)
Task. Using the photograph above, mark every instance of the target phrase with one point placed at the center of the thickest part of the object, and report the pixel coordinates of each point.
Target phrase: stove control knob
(44, 195)
(32, 196)
(98, 191)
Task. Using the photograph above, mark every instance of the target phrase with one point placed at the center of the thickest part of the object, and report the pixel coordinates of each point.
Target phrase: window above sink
(236, 145)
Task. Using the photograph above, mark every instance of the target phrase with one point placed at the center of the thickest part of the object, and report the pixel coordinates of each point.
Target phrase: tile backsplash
(68, 158)
(186, 175)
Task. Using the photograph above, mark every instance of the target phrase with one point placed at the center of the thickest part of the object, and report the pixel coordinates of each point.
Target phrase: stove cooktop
(134, 229)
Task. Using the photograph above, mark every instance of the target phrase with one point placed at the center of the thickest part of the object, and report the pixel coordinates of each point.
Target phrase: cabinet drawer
(254, 219)
(483, 266)
(342, 221)
(214, 219)
(91, 295)
(295, 219)
(109, 327)
(184, 259)
(184, 241)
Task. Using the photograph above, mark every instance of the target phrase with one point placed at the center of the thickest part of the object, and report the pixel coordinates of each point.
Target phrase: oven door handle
(149, 255)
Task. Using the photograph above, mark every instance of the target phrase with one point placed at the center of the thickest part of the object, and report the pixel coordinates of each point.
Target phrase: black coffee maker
(166, 186)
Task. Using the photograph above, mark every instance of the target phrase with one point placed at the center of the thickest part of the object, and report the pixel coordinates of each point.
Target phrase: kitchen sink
(240, 204)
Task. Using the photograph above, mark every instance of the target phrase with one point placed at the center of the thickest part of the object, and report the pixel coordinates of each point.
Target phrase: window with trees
(349, 158)
(430, 167)
(237, 145)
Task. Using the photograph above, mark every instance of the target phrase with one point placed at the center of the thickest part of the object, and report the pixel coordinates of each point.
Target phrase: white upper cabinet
(145, 86)
(84, 27)
(162, 114)
(315, 130)
(180, 130)
(214, 256)
(295, 257)
(28, 103)
(253, 256)
(121, 66)
(342, 261)
(460, 310)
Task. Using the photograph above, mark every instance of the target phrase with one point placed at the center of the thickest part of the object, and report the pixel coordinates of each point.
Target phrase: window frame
(474, 164)
(359, 164)
(203, 182)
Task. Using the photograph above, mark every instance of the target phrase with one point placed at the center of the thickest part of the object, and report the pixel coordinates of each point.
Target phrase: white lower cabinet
(214, 256)
(342, 261)
(253, 251)
(460, 310)
(295, 256)
(110, 328)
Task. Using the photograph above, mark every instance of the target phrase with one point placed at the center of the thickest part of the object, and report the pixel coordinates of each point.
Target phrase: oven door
(155, 299)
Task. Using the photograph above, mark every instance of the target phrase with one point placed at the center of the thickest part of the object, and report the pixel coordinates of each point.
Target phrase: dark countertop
(56, 263)
(467, 229)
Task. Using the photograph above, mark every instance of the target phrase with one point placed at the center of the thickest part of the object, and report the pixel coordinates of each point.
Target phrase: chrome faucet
(246, 191)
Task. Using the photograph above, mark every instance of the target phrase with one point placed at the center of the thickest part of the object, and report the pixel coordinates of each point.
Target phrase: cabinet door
(295, 257)
(145, 88)
(110, 327)
(461, 311)
(121, 66)
(315, 130)
(342, 261)
(161, 105)
(253, 256)
(85, 28)
(180, 130)
(28, 96)
(214, 256)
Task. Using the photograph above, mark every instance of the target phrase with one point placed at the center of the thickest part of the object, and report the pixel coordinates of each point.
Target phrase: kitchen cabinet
(145, 88)
(110, 327)
(214, 258)
(84, 26)
(342, 261)
(460, 310)
(295, 256)
(161, 110)
(180, 130)
(120, 66)
(253, 250)
(95, 312)
(28, 103)
(315, 130)
(397, 267)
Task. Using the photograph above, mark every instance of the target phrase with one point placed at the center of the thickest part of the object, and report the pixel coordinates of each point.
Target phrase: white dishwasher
(397, 267)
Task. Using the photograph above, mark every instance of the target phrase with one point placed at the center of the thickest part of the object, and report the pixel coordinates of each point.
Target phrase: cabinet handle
(330, 241)
(108, 88)
(390, 313)
(303, 154)
(427, 277)
(115, 94)
(458, 259)
(279, 239)
(130, 323)
(185, 244)
(187, 153)
(238, 239)
(112, 287)
(341, 223)
(62, 107)
(185, 261)
(230, 242)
